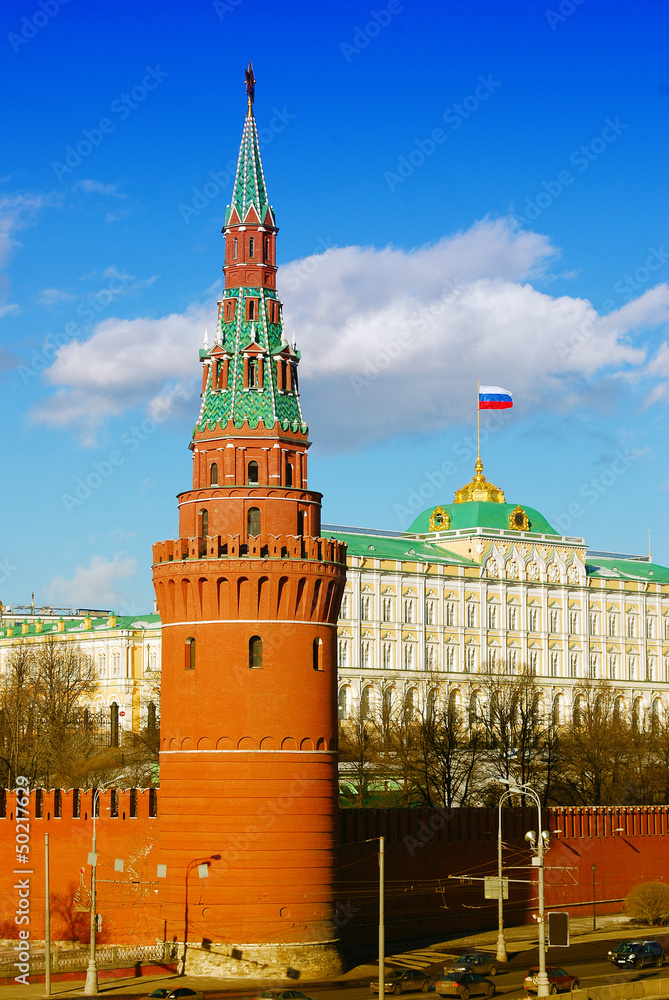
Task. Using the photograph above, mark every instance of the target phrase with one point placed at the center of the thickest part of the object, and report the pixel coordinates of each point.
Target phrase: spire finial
(250, 88)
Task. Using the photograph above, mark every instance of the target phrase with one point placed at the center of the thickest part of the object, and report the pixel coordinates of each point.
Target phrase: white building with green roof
(484, 585)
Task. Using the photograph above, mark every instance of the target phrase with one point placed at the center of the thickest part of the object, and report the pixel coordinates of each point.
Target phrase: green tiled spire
(249, 186)
(257, 339)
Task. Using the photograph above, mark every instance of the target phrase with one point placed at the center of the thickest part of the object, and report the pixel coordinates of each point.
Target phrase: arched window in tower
(318, 654)
(252, 246)
(189, 659)
(234, 248)
(213, 474)
(204, 522)
(113, 725)
(252, 308)
(253, 373)
(252, 478)
(267, 248)
(255, 652)
(253, 522)
(289, 474)
(300, 523)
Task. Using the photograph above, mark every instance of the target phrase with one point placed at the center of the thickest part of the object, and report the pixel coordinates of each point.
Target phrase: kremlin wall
(241, 858)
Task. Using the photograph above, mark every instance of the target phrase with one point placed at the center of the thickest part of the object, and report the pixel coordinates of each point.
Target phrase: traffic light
(558, 930)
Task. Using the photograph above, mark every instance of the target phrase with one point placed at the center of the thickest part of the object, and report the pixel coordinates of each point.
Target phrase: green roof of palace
(626, 569)
(482, 514)
(374, 546)
(249, 188)
(124, 623)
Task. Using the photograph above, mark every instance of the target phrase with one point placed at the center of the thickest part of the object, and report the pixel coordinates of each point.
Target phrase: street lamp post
(91, 987)
(205, 862)
(501, 943)
(594, 913)
(538, 842)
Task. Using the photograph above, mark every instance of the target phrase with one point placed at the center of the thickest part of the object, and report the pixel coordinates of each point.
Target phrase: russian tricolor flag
(493, 397)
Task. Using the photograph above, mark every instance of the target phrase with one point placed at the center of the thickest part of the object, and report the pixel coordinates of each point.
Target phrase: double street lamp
(539, 843)
(91, 987)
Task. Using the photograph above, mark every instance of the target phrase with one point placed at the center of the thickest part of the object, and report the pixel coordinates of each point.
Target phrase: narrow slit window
(253, 522)
(255, 652)
(300, 522)
(190, 654)
(252, 246)
(318, 654)
(253, 474)
(234, 248)
(213, 474)
(204, 522)
(253, 373)
(289, 474)
(252, 308)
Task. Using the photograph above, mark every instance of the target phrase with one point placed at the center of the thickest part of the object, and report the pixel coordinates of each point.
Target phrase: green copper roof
(402, 549)
(482, 514)
(124, 623)
(237, 403)
(626, 569)
(249, 186)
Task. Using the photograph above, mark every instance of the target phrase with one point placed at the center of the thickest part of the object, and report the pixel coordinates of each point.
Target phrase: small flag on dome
(493, 397)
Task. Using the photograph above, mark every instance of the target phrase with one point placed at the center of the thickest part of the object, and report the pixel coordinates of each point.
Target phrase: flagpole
(478, 419)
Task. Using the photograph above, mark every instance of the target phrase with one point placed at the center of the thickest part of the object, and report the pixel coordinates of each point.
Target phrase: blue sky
(463, 190)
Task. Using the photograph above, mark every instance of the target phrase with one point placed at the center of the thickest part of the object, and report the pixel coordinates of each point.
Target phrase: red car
(558, 980)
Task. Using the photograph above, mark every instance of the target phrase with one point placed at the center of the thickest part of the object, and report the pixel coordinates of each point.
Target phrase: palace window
(470, 659)
(431, 657)
(409, 611)
(429, 613)
(408, 656)
(554, 664)
(492, 616)
(471, 616)
(631, 626)
(513, 618)
(255, 652)
(650, 668)
(593, 669)
(534, 661)
(492, 659)
(450, 613)
(387, 654)
(631, 668)
(344, 702)
(387, 609)
(450, 657)
(533, 617)
(573, 664)
(650, 628)
(342, 654)
(613, 624)
(364, 655)
(594, 623)
(573, 622)
(343, 611)
(554, 620)
(116, 663)
(613, 666)
(365, 608)
(512, 661)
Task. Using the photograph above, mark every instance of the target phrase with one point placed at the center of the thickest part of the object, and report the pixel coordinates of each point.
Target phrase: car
(474, 961)
(464, 985)
(159, 994)
(404, 981)
(282, 995)
(183, 993)
(558, 980)
(636, 954)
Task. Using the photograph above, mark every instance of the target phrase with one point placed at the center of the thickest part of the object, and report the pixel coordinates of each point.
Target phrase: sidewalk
(518, 940)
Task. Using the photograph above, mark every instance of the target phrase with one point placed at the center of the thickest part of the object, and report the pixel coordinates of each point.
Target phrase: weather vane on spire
(250, 86)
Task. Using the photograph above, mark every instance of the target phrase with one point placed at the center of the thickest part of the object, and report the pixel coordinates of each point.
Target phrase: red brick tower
(249, 596)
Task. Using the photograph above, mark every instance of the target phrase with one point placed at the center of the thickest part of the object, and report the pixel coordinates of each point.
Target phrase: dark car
(558, 980)
(636, 954)
(282, 995)
(474, 961)
(464, 984)
(160, 994)
(404, 981)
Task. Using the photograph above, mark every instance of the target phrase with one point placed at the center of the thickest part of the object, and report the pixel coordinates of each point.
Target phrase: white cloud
(95, 585)
(10, 309)
(97, 187)
(54, 296)
(17, 211)
(392, 340)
